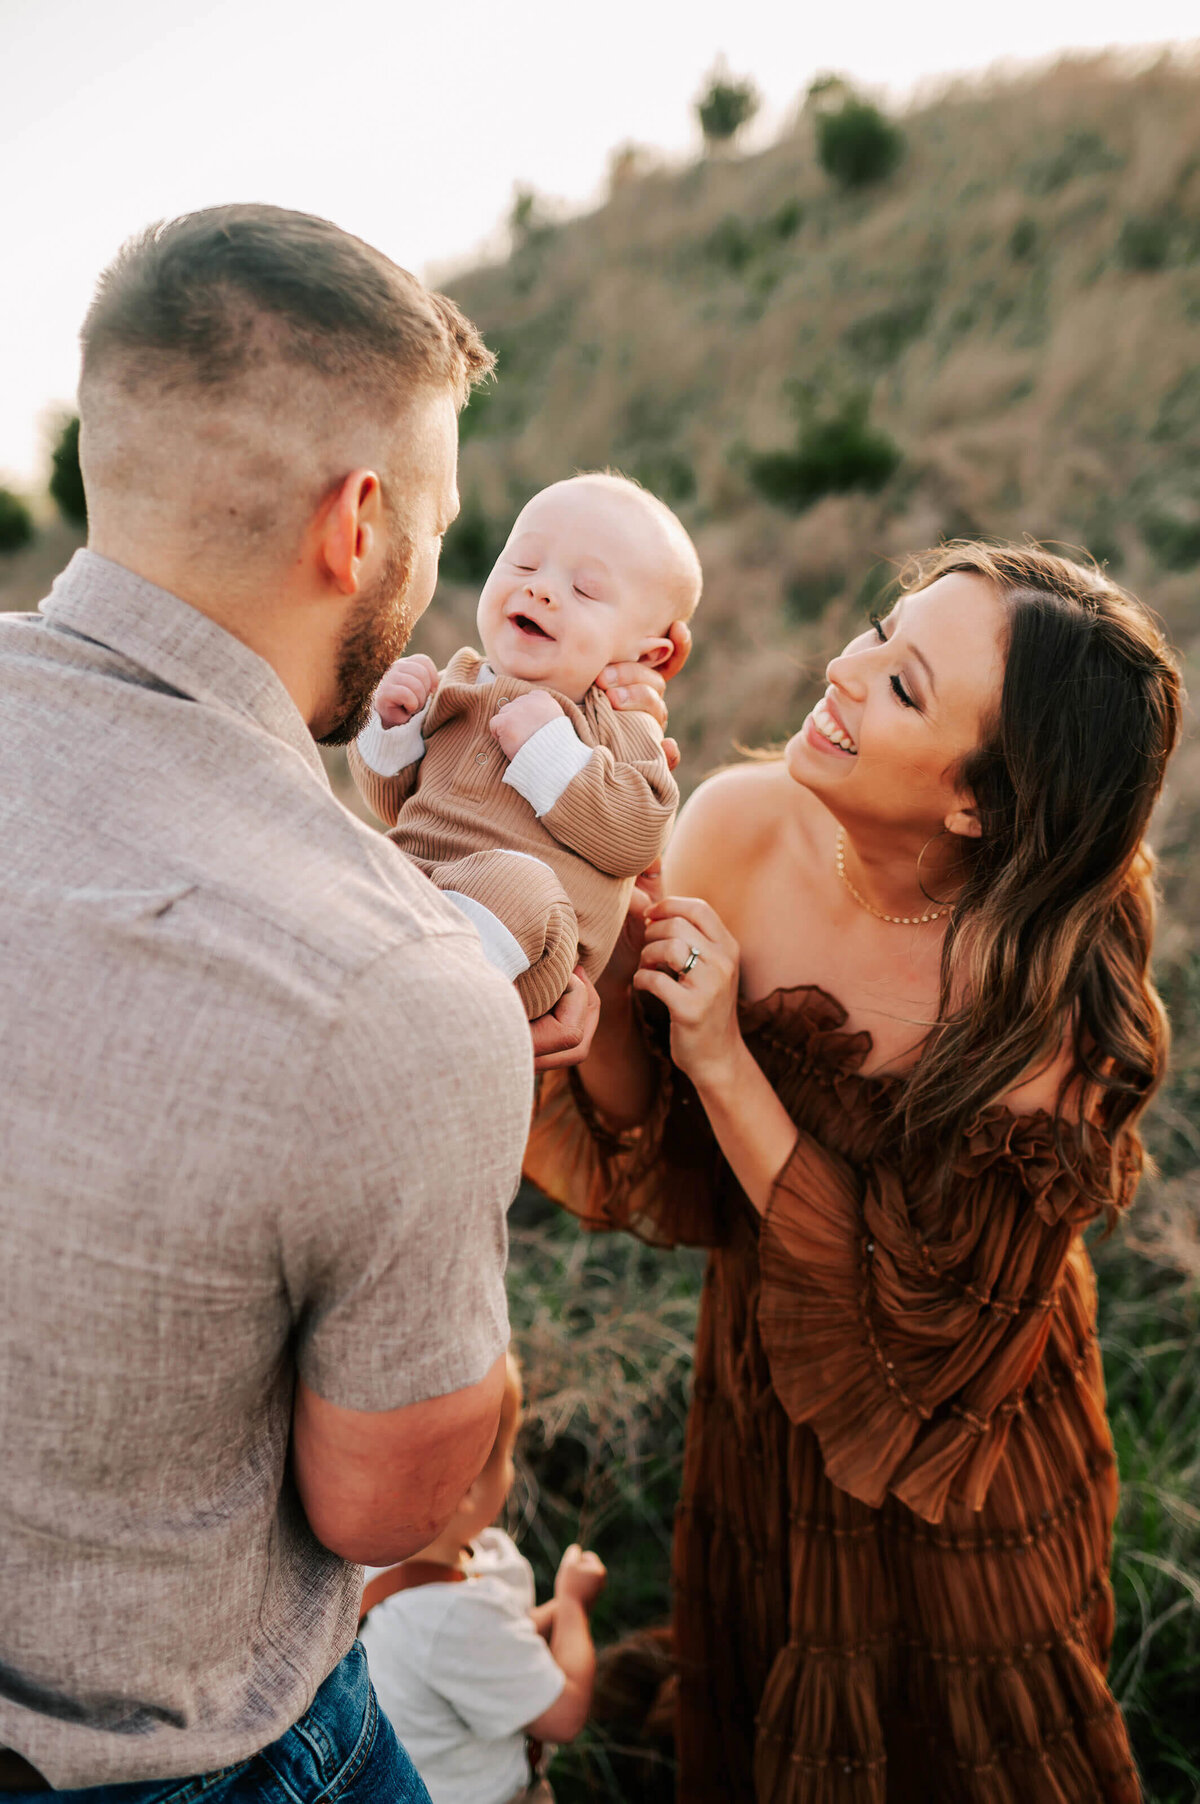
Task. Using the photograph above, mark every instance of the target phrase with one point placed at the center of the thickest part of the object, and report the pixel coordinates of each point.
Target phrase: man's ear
(656, 652)
(350, 529)
(965, 822)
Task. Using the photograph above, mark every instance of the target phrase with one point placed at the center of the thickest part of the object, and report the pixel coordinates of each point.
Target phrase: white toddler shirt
(460, 1671)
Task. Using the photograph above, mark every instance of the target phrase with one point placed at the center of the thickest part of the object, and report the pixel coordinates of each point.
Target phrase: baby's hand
(519, 720)
(581, 1576)
(405, 688)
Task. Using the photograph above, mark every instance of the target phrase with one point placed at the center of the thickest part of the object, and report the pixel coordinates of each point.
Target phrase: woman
(903, 977)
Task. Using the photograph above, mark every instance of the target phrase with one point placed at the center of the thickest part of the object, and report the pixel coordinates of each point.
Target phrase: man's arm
(378, 1485)
(403, 1158)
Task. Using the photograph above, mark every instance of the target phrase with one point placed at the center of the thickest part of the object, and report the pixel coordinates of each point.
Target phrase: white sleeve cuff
(389, 750)
(549, 760)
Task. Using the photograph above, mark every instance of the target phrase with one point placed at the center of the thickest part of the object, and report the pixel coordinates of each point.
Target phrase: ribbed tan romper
(453, 814)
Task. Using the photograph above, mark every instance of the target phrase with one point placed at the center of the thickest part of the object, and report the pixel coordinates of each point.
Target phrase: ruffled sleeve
(903, 1324)
(661, 1180)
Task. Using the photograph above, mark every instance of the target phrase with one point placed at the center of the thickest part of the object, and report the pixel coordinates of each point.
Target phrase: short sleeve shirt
(264, 1107)
(461, 1672)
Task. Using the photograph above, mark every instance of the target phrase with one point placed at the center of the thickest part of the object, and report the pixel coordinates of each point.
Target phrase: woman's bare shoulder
(731, 822)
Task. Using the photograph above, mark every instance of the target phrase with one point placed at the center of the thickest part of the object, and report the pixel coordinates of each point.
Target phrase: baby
(510, 778)
(464, 1664)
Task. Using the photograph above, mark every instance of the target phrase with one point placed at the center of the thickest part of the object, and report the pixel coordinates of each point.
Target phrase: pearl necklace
(934, 914)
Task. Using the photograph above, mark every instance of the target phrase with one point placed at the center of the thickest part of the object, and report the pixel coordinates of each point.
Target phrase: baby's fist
(405, 688)
(581, 1576)
(516, 721)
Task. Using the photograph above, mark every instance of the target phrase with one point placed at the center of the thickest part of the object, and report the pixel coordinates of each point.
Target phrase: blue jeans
(343, 1750)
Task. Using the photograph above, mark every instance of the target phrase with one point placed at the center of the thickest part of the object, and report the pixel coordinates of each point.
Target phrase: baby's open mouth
(524, 624)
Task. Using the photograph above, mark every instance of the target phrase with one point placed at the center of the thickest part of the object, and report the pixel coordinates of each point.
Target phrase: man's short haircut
(198, 301)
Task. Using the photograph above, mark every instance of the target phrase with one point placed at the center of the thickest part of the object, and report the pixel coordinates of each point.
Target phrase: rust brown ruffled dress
(892, 1547)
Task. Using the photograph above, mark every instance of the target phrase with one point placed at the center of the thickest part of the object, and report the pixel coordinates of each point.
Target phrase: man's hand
(405, 688)
(564, 1036)
(516, 721)
(581, 1576)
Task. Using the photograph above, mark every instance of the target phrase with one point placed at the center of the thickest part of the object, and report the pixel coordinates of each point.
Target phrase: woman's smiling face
(905, 703)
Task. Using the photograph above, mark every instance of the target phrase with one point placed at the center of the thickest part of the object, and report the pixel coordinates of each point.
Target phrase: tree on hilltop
(16, 522)
(856, 143)
(725, 107)
(66, 480)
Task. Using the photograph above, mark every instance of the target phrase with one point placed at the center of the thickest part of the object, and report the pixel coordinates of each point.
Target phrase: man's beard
(375, 637)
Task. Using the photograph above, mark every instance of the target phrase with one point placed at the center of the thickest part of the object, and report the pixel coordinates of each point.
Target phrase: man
(264, 1100)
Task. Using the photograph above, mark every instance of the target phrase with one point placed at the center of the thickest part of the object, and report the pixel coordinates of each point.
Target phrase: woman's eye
(898, 690)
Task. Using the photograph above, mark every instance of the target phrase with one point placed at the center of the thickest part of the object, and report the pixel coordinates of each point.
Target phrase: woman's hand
(706, 1040)
(638, 687)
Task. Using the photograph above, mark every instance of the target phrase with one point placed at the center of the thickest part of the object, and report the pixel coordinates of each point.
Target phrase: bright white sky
(407, 124)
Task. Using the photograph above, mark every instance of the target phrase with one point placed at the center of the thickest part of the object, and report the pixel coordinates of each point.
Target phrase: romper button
(481, 757)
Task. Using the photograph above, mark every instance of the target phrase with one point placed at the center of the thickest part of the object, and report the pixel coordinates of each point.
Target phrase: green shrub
(66, 481)
(1080, 153)
(857, 144)
(880, 337)
(477, 417)
(734, 242)
(472, 544)
(731, 243)
(1178, 418)
(807, 597)
(1173, 538)
(786, 220)
(1023, 240)
(832, 456)
(1145, 243)
(725, 107)
(16, 522)
(666, 473)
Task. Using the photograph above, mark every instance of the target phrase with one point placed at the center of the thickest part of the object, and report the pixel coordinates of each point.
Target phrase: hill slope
(1021, 302)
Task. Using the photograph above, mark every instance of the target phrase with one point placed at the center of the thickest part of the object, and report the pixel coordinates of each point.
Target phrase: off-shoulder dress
(892, 1547)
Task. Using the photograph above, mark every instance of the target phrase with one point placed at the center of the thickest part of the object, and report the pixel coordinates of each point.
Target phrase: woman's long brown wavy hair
(1049, 939)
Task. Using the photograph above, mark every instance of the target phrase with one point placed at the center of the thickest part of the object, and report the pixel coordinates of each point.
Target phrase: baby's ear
(656, 652)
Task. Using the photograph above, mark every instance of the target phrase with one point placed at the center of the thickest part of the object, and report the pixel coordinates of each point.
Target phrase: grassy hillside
(1020, 301)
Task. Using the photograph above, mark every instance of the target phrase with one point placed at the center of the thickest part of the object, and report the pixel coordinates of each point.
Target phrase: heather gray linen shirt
(262, 1108)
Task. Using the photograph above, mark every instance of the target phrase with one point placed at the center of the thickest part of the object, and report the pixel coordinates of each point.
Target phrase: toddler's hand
(581, 1576)
(519, 720)
(405, 688)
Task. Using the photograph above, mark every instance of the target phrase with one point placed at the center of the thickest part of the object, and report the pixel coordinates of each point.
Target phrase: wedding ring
(693, 958)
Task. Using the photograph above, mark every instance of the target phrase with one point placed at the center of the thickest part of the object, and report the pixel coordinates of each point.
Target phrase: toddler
(463, 1663)
(509, 777)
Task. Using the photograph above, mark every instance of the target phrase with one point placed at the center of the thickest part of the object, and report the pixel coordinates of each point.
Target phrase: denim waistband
(322, 1753)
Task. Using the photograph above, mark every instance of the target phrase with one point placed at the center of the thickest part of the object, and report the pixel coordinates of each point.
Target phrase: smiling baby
(509, 778)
